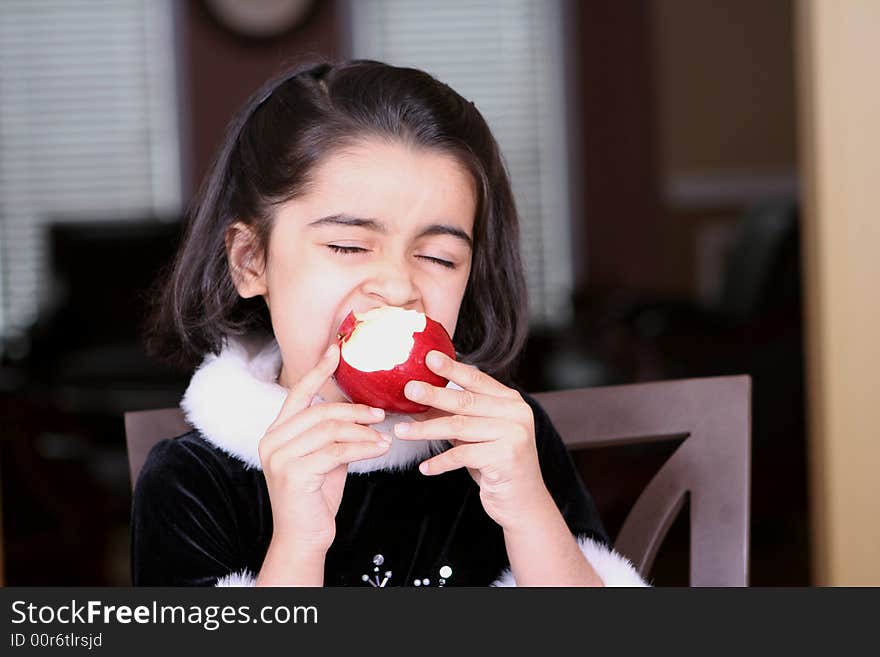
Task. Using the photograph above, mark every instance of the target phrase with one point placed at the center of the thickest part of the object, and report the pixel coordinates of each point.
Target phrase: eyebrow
(379, 227)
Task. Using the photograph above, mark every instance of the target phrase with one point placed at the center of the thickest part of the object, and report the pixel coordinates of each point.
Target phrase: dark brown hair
(273, 145)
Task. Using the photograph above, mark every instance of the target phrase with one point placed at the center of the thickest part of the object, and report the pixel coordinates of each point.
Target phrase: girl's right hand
(305, 454)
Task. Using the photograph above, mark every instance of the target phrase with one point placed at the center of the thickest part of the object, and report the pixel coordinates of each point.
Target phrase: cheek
(446, 306)
(303, 307)
(306, 280)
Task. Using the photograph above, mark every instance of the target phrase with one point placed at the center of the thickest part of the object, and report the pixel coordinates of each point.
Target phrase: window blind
(507, 57)
(88, 129)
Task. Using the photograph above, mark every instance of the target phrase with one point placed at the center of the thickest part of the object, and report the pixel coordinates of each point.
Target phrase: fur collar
(233, 397)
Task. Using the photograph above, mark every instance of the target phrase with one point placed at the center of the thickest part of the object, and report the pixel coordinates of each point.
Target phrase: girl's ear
(245, 264)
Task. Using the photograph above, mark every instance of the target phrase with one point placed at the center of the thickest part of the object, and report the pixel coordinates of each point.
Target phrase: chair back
(143, 429)
(710, 467)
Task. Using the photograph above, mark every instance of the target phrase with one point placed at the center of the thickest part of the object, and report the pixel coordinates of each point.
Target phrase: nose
(392, 282)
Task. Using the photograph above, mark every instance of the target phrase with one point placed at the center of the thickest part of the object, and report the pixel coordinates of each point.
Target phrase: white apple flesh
(385, 348)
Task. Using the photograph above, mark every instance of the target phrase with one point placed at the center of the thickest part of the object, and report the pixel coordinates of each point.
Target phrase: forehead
(393, 181)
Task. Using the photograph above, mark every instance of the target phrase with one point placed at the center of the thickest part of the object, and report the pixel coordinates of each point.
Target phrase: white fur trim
(242, 578)
(233, 397)
(612, 567)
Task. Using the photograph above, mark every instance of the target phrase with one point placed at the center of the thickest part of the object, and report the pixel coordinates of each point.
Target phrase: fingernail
(386, 438)
(401, 429)
(415, 390)
(435, 359)
(423, 468)
(378, 412)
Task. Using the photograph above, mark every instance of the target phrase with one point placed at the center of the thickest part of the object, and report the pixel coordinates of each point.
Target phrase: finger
(331, 456)
(462, 402)
(461, 427)
(324, 434)
(467, 376)
(276, 436)
(300, 394)
(477, 456)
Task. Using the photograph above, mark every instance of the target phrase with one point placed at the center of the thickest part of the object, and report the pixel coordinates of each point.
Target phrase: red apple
(383, 349)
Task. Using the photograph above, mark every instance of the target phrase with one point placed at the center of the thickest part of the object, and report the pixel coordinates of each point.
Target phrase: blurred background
(661, 177)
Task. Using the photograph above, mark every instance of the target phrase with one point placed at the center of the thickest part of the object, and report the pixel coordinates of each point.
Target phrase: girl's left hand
(492, 430)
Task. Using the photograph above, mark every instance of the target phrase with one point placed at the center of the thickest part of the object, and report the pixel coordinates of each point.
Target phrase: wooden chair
(710, 467)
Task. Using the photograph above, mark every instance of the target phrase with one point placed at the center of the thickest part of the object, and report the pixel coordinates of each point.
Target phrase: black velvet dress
(199, 514)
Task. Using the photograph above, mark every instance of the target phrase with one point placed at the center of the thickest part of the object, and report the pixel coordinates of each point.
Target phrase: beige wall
(839, 94)
(725, 127)
(725, 86)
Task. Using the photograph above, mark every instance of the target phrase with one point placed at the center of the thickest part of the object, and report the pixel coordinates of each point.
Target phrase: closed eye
(442, 263)
(345, 249)
(356, 249)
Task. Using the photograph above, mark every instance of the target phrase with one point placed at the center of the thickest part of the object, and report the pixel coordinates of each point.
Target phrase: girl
(350, 187)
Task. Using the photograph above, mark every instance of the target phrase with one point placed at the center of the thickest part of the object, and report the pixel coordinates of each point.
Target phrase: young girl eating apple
(345, 188)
